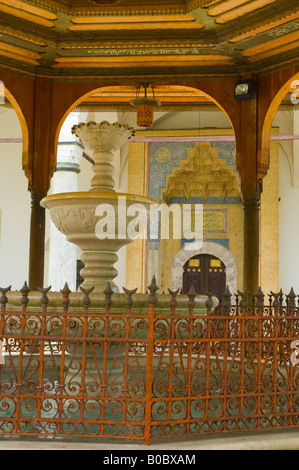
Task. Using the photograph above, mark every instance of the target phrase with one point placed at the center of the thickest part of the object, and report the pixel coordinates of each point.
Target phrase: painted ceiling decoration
(105, 3)
(94, 38)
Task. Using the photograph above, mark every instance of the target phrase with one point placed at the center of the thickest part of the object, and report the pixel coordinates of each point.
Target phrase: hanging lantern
(145, 107)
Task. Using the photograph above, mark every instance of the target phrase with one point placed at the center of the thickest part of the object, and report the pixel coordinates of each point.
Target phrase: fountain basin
(84, 217)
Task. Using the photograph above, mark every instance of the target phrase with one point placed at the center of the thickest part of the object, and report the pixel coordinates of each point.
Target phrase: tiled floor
(288, 440)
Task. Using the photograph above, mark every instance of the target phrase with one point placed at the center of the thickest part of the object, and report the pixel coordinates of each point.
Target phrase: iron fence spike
(259, 296)
(25, 291)
(173, 302)
(66, 289)
(174, 293)
(3, 298)
(86, 299)
(108, 294)
(108, 290)
(291, 299)
(44, 289)
(292, 292)
(191, 295)
(244, 299)
(153, 288)
(226, 298)
(5, 289)
(129, 300)
(66, 295)
(86, 291)
(277, 298)
(209, 302)
(130, 292)
(44, 299)
(25, 287)
(192, 292)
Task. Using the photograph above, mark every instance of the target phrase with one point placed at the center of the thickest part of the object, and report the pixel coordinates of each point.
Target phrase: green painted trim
(68, 167)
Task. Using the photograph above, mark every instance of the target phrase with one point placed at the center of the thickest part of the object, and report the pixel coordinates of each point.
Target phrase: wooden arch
(67, 96)
(279, 85)
(25, 133)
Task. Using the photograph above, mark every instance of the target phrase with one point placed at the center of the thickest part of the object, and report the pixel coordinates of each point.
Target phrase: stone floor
(282, 440)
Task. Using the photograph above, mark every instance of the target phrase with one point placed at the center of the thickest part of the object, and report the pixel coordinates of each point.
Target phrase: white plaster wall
(14, 206)
(191, 120)
(288, 229)
(47, 249)
(289, 204)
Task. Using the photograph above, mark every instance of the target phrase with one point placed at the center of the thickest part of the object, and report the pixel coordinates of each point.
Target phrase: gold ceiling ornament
(145, 106)
(105, 3)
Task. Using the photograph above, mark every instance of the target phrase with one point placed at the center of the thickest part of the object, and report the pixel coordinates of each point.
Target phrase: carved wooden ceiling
(78, 38)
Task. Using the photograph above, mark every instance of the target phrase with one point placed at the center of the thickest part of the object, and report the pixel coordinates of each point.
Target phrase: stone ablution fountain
(74, 214)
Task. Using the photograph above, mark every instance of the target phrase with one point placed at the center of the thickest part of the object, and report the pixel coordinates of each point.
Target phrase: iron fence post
(152, 300)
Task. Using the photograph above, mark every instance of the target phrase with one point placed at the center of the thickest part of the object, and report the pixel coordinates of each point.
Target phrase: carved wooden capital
(263, 163)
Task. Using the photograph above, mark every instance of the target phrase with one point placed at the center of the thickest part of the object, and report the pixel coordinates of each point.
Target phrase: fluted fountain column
(103, 140)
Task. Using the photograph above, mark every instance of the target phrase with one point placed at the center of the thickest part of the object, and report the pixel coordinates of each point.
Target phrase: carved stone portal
(203, 175)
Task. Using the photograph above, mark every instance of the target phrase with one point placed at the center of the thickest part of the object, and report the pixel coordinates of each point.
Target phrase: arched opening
(282, 120)
(191, 126)
(14, 197)
(119, 96)
(290, 86)
(8, 97)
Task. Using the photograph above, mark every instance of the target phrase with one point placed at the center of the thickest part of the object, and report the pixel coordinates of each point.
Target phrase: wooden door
(206, 273)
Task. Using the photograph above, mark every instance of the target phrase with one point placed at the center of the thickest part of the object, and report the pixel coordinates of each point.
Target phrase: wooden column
(37, 241)
(251, 245)
(251, 195)
(40, 179)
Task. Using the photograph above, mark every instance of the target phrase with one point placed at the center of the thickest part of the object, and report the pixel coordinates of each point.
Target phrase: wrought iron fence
(149, 376)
